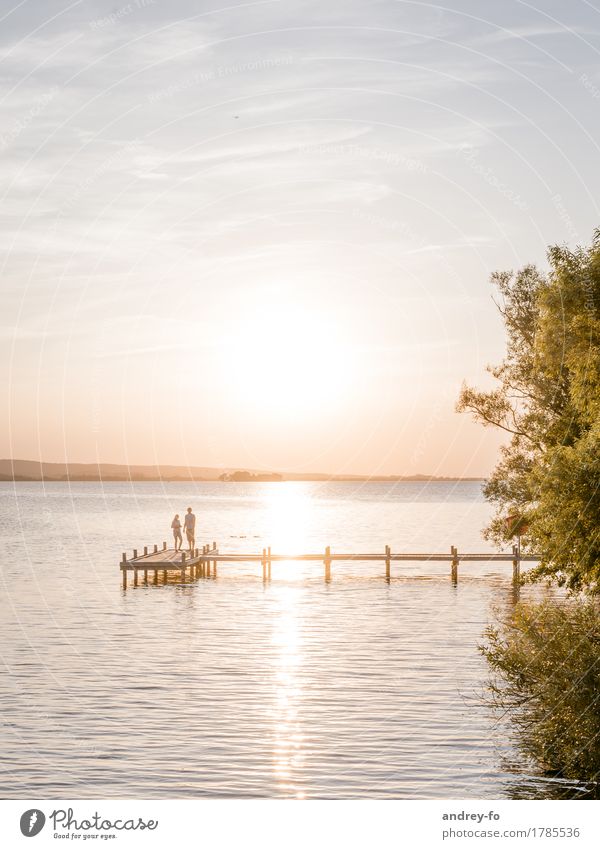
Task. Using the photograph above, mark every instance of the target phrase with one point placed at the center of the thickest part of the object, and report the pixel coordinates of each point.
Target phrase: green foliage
(547, 659)
(548, 399)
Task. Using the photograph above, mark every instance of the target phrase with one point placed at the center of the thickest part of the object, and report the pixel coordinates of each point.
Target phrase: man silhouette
(190, 528)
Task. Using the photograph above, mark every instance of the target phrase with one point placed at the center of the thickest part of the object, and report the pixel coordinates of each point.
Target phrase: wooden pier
(197, 562)
(201, 561)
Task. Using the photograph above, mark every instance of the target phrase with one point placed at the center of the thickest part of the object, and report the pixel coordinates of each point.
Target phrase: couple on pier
(190, 529)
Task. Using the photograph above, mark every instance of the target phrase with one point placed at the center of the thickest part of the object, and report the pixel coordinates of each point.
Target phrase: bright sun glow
(289, 507)
(287, 362)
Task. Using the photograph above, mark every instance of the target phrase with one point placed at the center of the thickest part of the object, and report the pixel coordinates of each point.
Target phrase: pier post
(516, 565)
(145, 576)
(135, 577)
(388, 562)
(134, 553)
(454, 569)
(264, 563)
(164, 546)
(124, 570)
(155, 548)
(182, 567)
(328, 563)
(207, 562)
(145, 551)
(156, 576)
(164, 576)
(269, 562)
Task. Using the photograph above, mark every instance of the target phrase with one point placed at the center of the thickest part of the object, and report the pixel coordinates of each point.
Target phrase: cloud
(145, 350)
(531, 31)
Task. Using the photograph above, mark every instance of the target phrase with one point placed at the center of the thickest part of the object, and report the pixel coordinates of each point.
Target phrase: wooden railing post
(124, 570)
(388, 562)
(454, 571)
(182, 566)
(516, 565)
(164, 546)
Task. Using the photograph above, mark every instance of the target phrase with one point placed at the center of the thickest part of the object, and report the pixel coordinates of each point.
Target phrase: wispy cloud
(531, 32)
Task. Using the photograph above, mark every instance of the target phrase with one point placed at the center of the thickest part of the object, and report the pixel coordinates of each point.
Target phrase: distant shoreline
(5, 479)
(258, 479)
(30, 471)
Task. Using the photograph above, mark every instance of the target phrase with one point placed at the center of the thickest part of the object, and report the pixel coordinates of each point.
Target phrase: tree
(547, 659)
(548, 400)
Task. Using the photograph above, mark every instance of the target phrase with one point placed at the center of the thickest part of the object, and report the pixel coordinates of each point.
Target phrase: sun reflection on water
(288, 739)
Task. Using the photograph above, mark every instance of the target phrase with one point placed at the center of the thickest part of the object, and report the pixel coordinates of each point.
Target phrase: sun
(287, 361)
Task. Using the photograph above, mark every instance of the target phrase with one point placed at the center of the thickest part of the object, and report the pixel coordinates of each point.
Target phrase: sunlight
(288, 755)
(286, 361)
(289, 509)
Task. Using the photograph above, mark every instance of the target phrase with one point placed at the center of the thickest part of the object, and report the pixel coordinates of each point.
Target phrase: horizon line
(199, 471)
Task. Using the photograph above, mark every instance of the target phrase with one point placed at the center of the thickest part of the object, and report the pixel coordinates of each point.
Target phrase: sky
(260, 235)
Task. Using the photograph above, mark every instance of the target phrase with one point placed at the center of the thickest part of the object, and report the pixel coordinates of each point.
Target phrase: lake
(229, 687)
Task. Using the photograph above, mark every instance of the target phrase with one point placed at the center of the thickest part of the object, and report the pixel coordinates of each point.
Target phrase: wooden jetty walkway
(166, 560)
(201, 561)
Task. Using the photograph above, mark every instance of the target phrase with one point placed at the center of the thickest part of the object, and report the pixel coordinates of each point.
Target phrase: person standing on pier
(190, 528)
(176, 525)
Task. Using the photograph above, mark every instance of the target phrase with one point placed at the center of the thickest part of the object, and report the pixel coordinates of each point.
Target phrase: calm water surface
(229, 687)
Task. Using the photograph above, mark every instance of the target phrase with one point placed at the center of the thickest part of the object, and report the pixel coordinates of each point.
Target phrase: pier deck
(201, 561)
(197, 562)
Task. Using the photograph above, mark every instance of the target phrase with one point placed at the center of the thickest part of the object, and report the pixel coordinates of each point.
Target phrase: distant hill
(32, 470)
